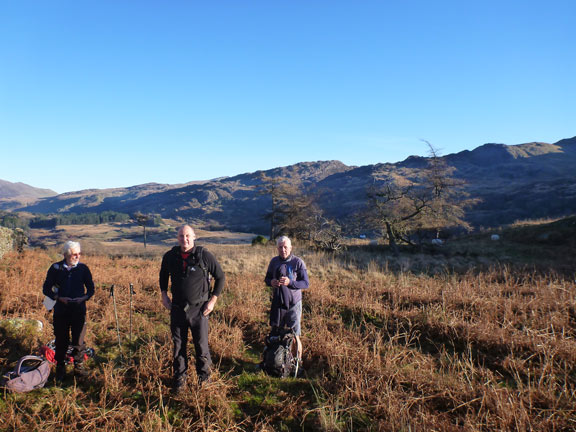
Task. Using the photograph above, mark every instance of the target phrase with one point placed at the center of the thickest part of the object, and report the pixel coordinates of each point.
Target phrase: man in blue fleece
(287, 276)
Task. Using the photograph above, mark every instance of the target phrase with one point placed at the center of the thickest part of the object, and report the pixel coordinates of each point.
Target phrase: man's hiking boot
(203, 380)
(80, 370)
(178, 385)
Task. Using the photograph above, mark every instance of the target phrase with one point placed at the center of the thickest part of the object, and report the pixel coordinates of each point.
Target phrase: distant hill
(513, 182)
(14, 195)
(534, 180)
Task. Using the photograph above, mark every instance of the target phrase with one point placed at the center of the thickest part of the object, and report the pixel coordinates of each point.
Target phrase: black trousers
(180, 322)
(69, 321)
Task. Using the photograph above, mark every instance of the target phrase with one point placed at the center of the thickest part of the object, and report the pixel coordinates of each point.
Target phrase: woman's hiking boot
(60, 373)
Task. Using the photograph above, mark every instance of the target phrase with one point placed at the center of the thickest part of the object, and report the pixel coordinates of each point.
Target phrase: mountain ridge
(518, 181)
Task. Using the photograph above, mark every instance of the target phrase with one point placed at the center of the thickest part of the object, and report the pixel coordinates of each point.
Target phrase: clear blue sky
(113, 93)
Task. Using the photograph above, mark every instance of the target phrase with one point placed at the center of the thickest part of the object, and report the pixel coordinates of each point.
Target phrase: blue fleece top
(295, 269)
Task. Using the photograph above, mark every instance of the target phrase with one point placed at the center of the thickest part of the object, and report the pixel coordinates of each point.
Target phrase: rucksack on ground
(31, 372)
(278, 359)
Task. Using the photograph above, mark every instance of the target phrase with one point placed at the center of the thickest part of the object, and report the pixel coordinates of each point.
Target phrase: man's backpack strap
(199, 258)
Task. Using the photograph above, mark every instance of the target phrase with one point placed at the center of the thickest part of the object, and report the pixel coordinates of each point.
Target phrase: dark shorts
(288, 317)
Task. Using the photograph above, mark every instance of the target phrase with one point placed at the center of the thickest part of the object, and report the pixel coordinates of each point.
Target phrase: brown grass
(386, 349)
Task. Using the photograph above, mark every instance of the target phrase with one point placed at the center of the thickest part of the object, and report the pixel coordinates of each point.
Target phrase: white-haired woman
(69, 283)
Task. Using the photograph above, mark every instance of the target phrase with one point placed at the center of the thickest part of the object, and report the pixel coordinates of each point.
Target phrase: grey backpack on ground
(30, 373)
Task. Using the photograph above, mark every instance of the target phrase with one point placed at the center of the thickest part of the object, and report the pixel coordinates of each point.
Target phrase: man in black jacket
(189, 269)
(69, 283)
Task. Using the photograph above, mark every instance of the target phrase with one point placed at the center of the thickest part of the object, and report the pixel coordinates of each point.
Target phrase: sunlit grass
(390, 344)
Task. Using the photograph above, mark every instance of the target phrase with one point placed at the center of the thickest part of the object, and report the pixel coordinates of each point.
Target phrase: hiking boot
(60, 373)
(80, 370)
(203, 380)
(178, 385)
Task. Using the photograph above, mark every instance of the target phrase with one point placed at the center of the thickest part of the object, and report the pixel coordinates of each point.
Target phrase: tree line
(17, 220)
(402, 211)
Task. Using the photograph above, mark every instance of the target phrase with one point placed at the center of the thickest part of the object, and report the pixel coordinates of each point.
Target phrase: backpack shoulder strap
(199, 257)
(198, 253)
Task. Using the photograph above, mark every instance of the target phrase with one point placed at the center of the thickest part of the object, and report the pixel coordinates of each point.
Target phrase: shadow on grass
(434, 339)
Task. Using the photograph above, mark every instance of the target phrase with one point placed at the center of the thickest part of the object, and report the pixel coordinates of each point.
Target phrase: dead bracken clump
(386, 349)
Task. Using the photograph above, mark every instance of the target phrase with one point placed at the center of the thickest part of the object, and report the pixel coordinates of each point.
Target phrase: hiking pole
(116, 316)
(298, 357)
(131, 294)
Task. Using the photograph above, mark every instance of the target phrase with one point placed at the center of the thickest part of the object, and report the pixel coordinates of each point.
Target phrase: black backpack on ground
(278, 359)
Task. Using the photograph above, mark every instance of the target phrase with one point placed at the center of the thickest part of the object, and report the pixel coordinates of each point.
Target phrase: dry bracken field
(385, 349)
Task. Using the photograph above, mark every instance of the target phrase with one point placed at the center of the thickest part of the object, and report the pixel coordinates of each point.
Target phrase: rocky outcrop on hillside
(6, 240)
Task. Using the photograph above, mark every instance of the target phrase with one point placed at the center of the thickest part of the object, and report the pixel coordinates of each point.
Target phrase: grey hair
(69, 245)
(283, 239)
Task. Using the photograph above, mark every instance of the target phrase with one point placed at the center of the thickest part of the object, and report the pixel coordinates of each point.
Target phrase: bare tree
(295, 213)
(450, 200)
(142, 220)
(433, 200)
(326, 233)
(301, 216)
(281, 191)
